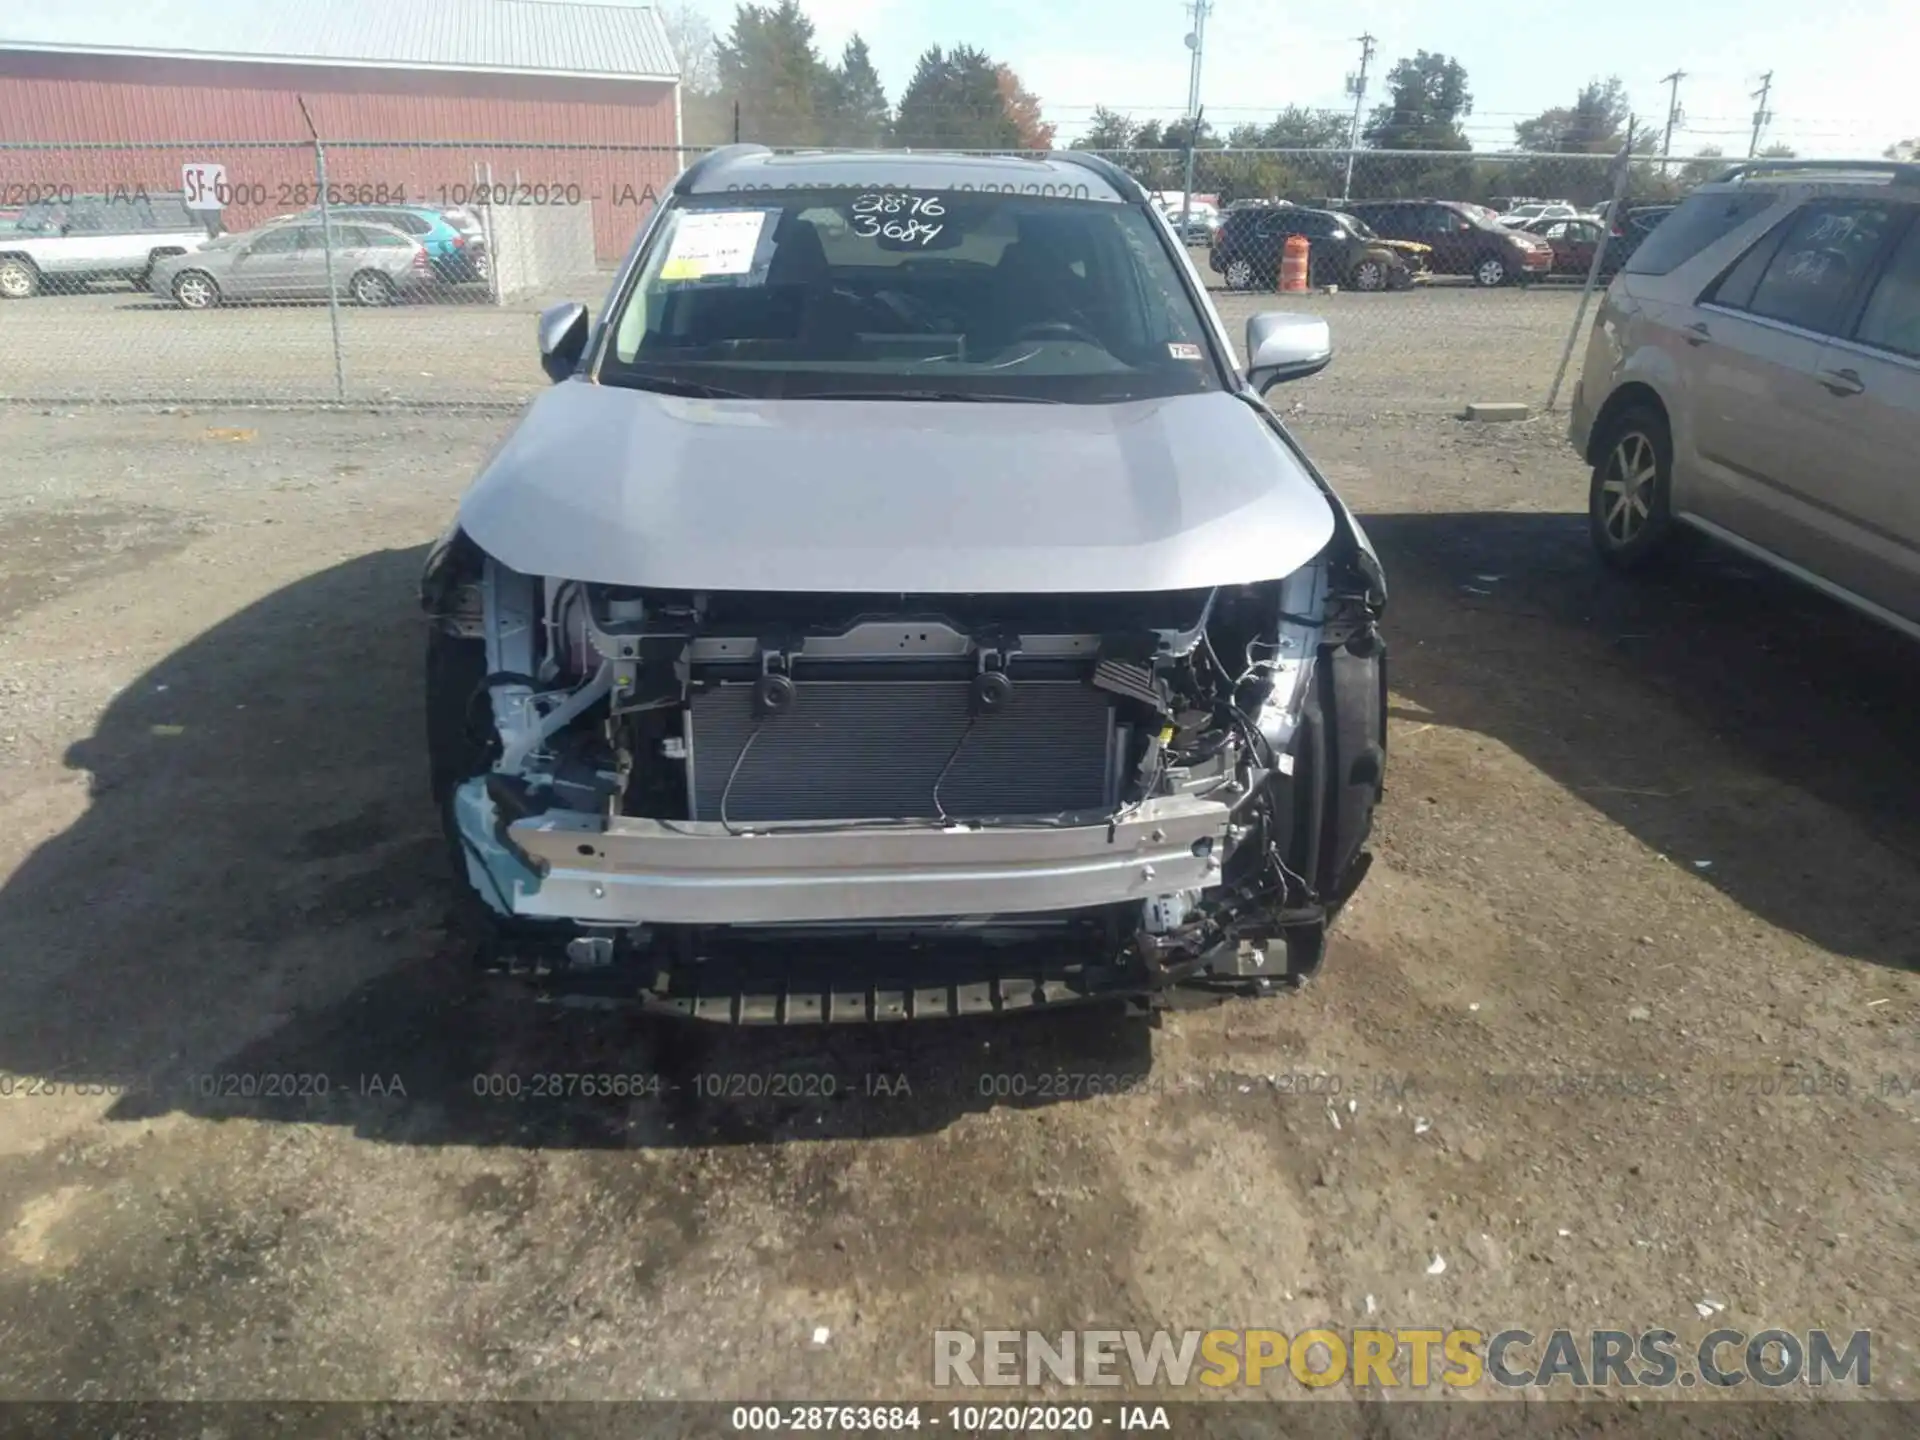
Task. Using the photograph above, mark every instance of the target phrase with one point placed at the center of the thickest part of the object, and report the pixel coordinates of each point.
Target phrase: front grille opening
(872, 750)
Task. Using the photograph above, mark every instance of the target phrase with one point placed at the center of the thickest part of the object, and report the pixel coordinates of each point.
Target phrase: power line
(1196, 41)
(1356, 87)
(1762, 115)
(1673, 110)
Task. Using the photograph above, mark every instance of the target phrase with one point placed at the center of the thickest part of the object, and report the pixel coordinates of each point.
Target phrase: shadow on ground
(246, 920)
(1718, 713)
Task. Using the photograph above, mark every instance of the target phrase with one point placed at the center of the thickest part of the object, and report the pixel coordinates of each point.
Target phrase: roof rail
(1898, 171)
(684, 185)
(1129, 187)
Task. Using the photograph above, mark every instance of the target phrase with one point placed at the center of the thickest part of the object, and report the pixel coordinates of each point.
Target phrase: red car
(1573, 242)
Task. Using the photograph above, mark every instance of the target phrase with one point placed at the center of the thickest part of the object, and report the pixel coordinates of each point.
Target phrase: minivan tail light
(419, 257)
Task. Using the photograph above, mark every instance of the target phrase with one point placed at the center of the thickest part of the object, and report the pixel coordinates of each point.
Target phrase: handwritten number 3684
(907, 231)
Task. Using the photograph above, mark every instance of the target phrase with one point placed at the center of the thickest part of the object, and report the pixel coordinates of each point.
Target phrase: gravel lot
(1662, 833)
(1428, 350)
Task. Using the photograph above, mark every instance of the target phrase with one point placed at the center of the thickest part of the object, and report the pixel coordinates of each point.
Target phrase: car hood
(630, 487)
(1403, 247)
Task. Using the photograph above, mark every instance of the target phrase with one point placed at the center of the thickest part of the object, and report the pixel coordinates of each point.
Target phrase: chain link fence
(410, 273)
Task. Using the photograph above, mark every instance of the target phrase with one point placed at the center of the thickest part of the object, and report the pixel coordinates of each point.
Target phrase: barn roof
(616, 41)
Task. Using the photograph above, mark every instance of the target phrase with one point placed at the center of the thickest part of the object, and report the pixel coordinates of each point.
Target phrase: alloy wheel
(1627, 485)
(1239, 275)
(16, 280)
(1490, 272)
(1370, 276)
(194, 291)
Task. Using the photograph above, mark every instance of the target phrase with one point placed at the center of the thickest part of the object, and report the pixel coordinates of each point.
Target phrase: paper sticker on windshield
(713, 242)
(1183, 352)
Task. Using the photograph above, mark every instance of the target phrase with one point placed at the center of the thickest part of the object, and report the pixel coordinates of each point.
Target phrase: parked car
(1574, 240)
(455, 243)
(287, 260)
(1524, 215)
(62, 245)
(1462, 243)
(1753, 375)
(1203, 219)
(1249, 246)
(784, 642)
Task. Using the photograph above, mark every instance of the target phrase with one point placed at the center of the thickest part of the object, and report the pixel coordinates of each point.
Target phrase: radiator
(873, 749)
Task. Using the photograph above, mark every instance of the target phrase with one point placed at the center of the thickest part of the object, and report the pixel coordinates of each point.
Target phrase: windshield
(1358, 226)
(929, 294)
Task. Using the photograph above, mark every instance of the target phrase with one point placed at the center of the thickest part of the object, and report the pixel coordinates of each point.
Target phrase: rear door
(84, 243)
(1752, 347)
(1868, 414)
(1455, 239)
(265, 267)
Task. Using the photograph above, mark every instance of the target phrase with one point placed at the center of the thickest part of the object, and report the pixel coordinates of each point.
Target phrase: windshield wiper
(939, 395)
(669, 385)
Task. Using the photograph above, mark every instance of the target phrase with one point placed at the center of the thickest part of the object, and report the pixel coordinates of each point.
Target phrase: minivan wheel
(18, 279)
(1630, 501)
(1370, 275)
(1490, 272)
(1239, 274)
(196, 290)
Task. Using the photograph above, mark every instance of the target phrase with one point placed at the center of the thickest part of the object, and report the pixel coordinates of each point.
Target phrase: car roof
(1067, 174)
(1819, 177)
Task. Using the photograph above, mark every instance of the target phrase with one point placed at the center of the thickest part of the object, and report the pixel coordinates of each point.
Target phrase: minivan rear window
(1697, 223)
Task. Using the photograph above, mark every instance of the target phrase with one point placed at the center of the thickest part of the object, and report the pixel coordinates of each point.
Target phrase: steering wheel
(1055, 329)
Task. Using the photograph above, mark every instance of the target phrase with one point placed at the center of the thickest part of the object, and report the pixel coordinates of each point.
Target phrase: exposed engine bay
(1021, 797)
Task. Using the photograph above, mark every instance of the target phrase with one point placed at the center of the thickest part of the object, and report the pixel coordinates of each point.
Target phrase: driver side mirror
(1282, 346)
(563, 338)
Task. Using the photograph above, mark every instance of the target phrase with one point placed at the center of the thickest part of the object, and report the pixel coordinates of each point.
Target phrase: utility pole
(1673, 114)
(1356, 87)
(1196, 42)
(1762, 115)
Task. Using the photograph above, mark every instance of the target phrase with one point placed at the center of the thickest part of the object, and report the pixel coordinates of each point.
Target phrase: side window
(1826, 251)
(277, 242)
(170, 212)
(87, 217)
(1891, 320)
(1736, 284)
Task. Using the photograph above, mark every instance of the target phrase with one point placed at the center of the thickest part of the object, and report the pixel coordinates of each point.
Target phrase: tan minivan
(1754, 375)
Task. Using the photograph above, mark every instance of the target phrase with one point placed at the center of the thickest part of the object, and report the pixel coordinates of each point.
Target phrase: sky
(1843, 70)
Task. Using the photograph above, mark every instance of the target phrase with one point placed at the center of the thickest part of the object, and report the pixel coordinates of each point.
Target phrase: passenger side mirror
(563, 338)
(1283, 346)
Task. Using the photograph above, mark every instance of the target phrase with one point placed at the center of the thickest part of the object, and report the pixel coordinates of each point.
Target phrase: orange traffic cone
(1293, 264)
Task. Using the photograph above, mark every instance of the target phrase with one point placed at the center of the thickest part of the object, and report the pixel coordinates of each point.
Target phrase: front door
(264, 268)
(1751, 349)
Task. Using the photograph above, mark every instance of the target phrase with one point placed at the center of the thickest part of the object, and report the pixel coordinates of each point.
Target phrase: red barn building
(512, 102)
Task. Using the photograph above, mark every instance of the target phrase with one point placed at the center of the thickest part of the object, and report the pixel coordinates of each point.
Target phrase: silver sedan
(372, 265)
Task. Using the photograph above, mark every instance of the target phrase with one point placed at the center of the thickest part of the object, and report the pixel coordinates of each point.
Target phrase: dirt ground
(1662, 834)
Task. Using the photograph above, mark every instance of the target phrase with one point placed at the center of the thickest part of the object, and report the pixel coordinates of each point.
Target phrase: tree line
(765, 80)
(1407, 146)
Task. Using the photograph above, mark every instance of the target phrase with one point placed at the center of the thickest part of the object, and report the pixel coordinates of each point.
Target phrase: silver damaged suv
(903, 605)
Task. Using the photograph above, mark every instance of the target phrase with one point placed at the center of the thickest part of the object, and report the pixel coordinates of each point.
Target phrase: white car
(1542, 210)
(60, 245)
